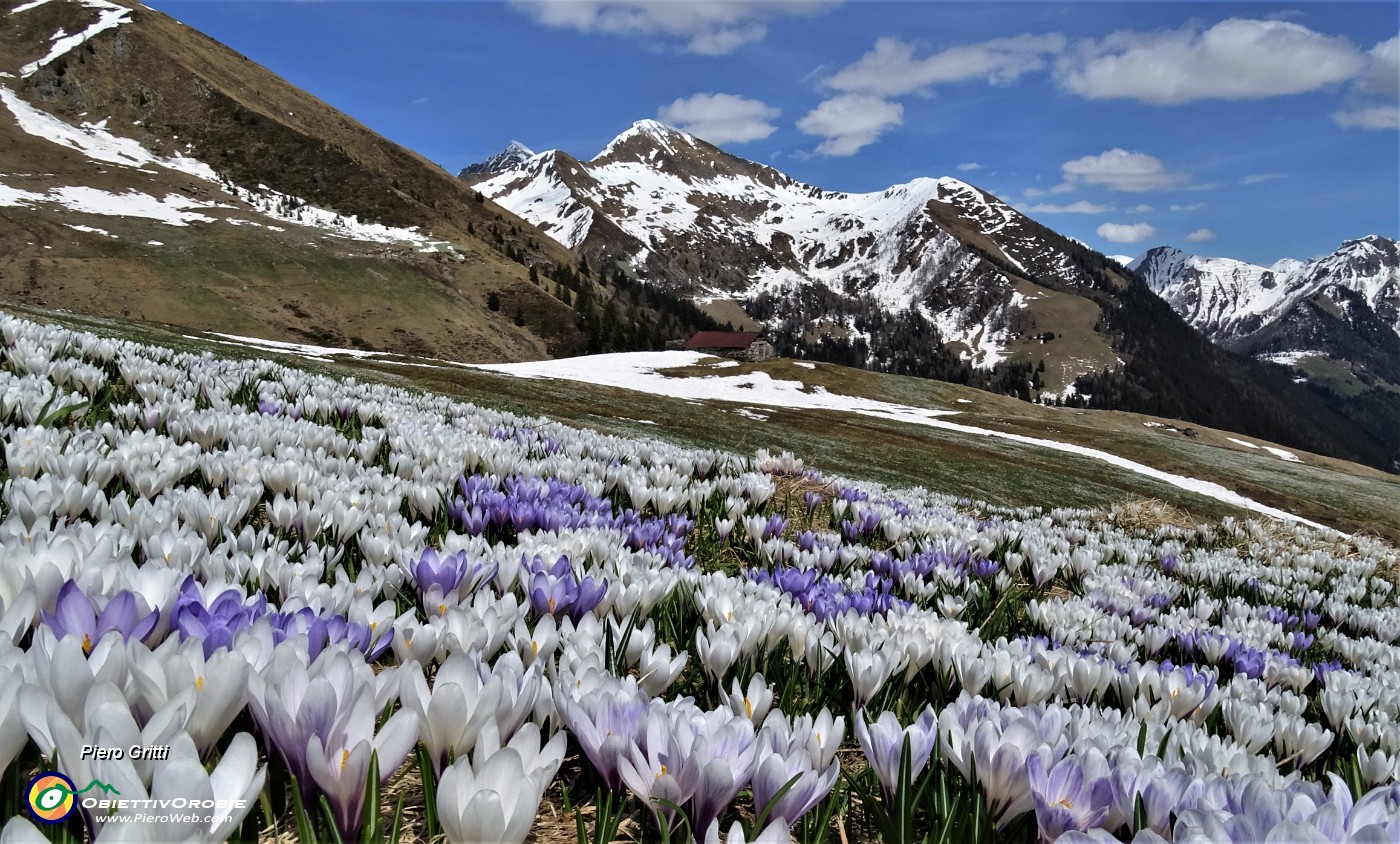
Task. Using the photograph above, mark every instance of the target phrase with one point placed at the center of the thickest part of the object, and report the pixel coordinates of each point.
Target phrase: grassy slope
(177, 91)
(1345, 495)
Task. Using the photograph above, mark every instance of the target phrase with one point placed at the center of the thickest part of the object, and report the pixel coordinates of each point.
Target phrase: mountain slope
(684, 215)
(902, 279)
(147, 169)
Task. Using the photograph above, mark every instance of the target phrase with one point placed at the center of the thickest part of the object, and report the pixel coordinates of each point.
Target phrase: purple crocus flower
(776, 770)
(75, 615)
(775, 527)
(323, 630)
(215, 624)
(1066, 797)
(982, 567)
(444, 571)
(725, 755)
(883, 745)
(556, 594)
(607, 723)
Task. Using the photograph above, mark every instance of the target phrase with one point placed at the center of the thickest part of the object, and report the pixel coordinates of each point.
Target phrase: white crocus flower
(453, 713)
(495, 796)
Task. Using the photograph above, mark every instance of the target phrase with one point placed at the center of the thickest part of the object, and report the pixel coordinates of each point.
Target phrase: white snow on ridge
(1280, 453)
(302, 349)
(641, 371)
(24, 7)
(1292, 358)
(1226, 298)
(835, 236)
(17, 196)
(94, 141)
(92, 230)
(110, 16)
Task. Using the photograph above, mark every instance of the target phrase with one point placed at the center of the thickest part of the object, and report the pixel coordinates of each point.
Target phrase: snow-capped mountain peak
(685, 214)
(648, 138)
(1344, 306)
(1230, 300)
(513, 155)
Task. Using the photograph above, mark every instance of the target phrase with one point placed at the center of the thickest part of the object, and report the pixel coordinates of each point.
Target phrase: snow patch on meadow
(1280, 453)
(642, 371)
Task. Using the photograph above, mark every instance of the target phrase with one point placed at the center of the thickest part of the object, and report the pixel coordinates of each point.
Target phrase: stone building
(739, 345)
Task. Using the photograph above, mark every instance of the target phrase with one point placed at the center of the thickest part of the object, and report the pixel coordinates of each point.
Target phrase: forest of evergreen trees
(900, 344)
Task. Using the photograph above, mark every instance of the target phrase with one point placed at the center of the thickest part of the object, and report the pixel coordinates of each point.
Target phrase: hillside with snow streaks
(109, 16)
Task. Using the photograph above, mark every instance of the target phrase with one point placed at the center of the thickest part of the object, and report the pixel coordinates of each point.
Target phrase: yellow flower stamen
(199, 684)
(87, 644)
(344, 757)
(551, 606)
(663, 772)
(748, 708)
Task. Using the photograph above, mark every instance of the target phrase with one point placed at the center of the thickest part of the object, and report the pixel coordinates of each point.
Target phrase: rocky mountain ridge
(1342, 308)
(681, 213)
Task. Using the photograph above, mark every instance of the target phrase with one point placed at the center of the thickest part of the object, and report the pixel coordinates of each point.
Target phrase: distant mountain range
(1338, 315)
(933, 277)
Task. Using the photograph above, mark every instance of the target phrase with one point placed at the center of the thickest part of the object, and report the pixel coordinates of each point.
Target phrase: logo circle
(51, 797)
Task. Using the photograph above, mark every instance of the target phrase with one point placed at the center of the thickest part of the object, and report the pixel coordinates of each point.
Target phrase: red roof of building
(721, 340)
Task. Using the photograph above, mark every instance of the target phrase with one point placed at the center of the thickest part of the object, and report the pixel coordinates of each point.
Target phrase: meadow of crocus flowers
(355, 612)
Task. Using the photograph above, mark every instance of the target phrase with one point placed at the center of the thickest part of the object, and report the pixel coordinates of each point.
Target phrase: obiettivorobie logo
(52, 796)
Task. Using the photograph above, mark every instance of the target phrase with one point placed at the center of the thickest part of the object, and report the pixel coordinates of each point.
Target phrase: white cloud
(1368, 117)
(1120, 233)
(720, 118)
(1261, 178)
(1120, 170)
(1371, 104)
(1083, 206)
(1141, 209)
(1032, 193)
(709, 28)
(969, 166)
(891, 69)
(850, 122)
(1194, 206)
(1383, 76)
(1201, 236)
(1237, 59)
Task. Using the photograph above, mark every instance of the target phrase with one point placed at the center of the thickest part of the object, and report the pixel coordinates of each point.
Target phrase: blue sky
(1253, 130)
